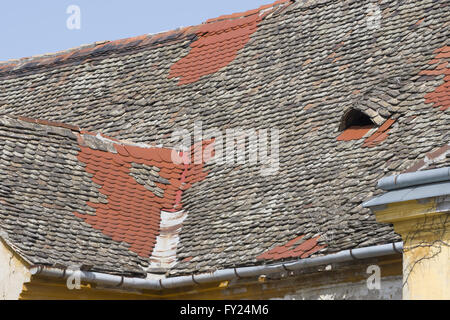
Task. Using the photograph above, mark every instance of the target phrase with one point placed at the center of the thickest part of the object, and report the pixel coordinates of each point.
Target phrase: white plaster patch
(164, 254)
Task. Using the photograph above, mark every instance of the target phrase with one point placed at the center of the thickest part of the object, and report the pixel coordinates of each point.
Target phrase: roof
(73, 198)
(295, 69)
(413, 186)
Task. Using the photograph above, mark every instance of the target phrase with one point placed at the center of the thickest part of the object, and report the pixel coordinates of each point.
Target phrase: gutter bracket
(351, 255)
(285, 268)
(237, 275)
(395, 248)
(193, 280)
(121, 282)
(161, 285)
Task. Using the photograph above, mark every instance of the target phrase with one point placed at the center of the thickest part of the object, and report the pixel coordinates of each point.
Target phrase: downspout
(120, 282)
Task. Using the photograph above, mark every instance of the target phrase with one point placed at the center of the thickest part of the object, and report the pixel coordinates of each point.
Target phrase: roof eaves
(123, 283)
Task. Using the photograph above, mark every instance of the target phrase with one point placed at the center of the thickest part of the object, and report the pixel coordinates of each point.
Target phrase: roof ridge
(107, 139)
(46, 122)
(307, 4)
(74, 128)
(101, 47)
(239, 15)
(97, 48)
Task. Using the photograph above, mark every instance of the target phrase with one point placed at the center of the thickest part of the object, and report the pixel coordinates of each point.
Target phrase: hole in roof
(355, 118)
(355, 125)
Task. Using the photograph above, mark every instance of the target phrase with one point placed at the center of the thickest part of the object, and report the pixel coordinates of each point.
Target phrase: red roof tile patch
(354, 133)
(219, 41)
(132, 212)
(380, 135)
(440, 97)
(293, 249)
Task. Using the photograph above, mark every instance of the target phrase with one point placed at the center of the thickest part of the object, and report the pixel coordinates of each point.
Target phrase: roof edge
(100, 48)
(95, 49)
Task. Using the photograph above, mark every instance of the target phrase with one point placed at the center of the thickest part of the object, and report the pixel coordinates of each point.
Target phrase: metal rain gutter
(120, 282)
(410, 179)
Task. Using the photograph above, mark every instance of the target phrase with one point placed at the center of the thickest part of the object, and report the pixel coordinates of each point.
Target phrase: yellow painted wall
(42, 289)
(426, 267)
(425, 229)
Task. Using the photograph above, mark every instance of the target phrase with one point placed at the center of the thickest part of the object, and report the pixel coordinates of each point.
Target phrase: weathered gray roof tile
(302, 69)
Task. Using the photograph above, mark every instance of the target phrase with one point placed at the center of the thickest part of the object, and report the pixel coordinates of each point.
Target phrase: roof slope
(298, 68)
(71, 198)
(43, 185)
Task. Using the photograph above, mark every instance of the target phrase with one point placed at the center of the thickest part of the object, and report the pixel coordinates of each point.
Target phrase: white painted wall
(13, 274)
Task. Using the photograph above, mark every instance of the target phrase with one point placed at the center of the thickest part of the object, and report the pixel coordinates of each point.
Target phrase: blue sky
(35, 27)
